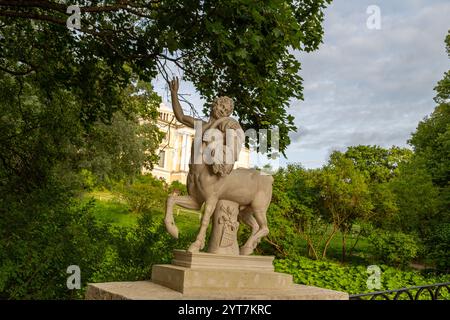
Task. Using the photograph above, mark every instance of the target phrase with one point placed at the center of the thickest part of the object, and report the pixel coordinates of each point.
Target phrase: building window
(162, 156)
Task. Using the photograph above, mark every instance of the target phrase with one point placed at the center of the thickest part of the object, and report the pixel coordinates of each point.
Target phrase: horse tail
(169, 221)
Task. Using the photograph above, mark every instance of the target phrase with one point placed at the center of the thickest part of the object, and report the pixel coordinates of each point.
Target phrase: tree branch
(17, 73)
(34, 16)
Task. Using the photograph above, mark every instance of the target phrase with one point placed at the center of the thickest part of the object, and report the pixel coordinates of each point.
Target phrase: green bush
(393, 248)
(133, 250)
(89, 180)
(177, 186)
(145, 193)
(438, 247)
(40, 238)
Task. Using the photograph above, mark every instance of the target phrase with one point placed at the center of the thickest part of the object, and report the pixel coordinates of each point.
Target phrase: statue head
(222, 107)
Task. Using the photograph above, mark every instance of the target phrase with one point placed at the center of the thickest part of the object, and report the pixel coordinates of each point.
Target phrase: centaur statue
(211, 181)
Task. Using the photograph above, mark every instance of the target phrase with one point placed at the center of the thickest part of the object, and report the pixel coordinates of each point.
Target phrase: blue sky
(365, 86)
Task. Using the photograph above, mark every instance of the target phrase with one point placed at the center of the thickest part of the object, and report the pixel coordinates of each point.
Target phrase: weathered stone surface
(188, 280)
(225, 227)
(190, 272)
(213, 276)
(147, 290)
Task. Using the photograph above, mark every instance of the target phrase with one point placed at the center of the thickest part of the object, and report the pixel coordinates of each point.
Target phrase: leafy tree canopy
(241, 48)
(376, 163)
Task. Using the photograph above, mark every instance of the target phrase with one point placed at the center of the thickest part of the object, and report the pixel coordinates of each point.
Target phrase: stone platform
(206, 276)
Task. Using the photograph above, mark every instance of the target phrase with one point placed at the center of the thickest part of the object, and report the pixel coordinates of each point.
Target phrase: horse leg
(252, 242)
(199, 243)
(183, 201)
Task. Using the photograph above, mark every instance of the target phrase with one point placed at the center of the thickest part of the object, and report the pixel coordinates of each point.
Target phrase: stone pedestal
(213, 276)
(225, 226)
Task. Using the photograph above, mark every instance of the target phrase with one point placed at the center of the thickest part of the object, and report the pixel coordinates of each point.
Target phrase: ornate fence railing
(432, 291)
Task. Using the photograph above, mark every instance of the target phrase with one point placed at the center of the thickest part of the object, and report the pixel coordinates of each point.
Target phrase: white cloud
(369, 86)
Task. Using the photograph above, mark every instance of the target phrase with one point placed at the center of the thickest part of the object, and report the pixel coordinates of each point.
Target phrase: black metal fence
(430, 292)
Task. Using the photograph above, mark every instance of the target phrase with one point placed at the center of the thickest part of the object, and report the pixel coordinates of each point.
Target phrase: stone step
(190, 280)
(147, 290)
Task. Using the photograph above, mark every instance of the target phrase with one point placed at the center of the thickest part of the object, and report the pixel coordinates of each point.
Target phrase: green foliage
(126, 145)
(316, 205)
(133, 250)
(37, 248)
(293, 212)
(393, 248)
(42, 130)
(177, 187)
(438, 247)
(145, 193)
(351, 279)
(114, 212)
(431, 142)
(376, 163)
(40, 238)
(345, 197)
(241, 48)
(417, 199)
(88, 180)
(430, 181)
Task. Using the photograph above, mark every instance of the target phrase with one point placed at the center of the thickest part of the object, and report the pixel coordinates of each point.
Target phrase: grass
(115, 213)
(109, 209)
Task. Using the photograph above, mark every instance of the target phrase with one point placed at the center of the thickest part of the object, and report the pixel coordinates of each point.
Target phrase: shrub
(393, 248)
(89, 180)
(438, 247)
(144, 194)
(177, 186)
(40, 237)
(133, 250)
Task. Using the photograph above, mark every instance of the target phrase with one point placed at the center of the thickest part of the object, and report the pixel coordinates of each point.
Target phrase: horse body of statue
(207, 183)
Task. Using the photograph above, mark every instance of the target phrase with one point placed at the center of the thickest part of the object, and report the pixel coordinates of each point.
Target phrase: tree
(417, 200)
(377, 164)
(344, 195)
(121, 149)
(295, 211)
(41, 132)
(241, 48)
(431, 141)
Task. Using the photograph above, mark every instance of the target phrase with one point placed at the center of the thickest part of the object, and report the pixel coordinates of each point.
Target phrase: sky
(364, 86)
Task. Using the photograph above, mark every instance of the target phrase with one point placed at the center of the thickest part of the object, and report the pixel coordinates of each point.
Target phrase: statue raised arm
(178, 111)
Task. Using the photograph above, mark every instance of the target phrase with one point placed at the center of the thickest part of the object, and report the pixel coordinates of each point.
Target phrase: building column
(183, 153)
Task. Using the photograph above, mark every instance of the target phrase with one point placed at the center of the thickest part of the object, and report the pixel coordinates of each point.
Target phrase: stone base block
(147, 290)
(186, 280)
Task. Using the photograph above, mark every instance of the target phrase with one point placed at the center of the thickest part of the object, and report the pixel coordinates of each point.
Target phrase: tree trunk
(311, 250)
(327, 243)
(354, 244)
(343, 246)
